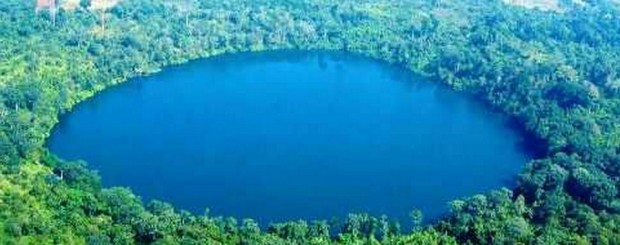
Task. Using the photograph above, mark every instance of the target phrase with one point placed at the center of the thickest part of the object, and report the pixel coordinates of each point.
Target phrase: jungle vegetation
(556, 73)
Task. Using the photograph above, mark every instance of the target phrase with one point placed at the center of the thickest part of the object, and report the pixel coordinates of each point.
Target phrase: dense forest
(557, 73)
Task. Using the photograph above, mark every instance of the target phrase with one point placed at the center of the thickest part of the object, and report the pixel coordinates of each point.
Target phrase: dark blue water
(289, 135)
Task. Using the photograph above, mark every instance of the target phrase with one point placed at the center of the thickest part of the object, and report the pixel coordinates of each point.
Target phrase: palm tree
(47, 4)
(185, 7)
(103, 6)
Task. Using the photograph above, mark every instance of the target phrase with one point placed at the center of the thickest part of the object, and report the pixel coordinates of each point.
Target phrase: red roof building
(41, 4)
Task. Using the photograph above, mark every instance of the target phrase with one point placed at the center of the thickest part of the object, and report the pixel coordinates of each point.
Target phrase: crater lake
(288, 135)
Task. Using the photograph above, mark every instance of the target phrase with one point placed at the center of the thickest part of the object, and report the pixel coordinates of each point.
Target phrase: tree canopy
(556, 73)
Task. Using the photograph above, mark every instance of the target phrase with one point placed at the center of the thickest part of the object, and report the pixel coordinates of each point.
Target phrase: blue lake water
(279, 136)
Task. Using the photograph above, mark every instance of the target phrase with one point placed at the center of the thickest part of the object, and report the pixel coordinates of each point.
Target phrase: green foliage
(555, 74)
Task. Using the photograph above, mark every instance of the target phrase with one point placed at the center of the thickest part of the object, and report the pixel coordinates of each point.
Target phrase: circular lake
(279, 136)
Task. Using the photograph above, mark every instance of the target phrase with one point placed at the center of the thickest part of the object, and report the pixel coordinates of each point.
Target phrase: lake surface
(278, 136)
